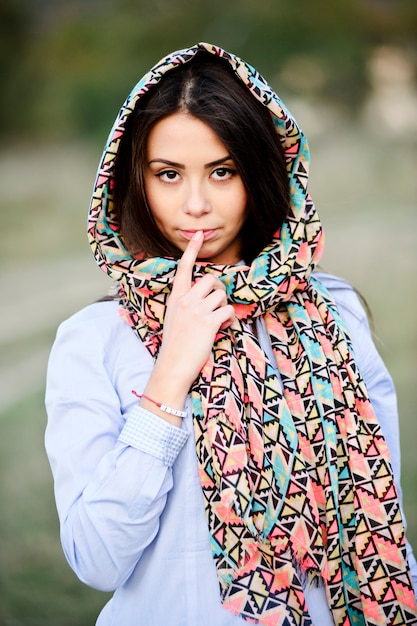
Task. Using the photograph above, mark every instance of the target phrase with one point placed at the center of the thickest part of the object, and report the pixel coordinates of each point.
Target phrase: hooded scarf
(294, 468)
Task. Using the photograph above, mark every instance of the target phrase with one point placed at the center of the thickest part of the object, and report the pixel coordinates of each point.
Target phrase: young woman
(223, 436)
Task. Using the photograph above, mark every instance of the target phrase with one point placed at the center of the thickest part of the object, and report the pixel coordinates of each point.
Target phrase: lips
(208, 233)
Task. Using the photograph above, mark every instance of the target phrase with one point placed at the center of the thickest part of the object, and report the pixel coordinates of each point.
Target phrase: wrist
(167, 413)
(163, 407)
(164, 395)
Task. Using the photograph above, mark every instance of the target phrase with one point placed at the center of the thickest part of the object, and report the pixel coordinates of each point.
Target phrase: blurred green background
(346, 70)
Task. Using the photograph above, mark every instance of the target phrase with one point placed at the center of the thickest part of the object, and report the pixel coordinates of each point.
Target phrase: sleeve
(379, 384)
(112, 472)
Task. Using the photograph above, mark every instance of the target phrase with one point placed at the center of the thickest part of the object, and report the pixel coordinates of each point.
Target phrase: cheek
(242, 209)
(150, 192)
(157, 202)
(234, 201)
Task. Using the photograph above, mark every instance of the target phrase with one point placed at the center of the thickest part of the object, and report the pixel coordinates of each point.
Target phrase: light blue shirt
(126, 483)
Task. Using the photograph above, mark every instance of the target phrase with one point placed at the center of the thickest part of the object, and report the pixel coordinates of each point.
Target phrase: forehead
(181, 133)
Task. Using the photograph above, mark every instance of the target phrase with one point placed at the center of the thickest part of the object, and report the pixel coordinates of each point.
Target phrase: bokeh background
(347, 70)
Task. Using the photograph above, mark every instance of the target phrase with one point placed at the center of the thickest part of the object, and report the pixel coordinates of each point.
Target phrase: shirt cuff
(151, 434)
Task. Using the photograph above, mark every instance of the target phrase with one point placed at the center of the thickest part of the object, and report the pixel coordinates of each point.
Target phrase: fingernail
(197, 235)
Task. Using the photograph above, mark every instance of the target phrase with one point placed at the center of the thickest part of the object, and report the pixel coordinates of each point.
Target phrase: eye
(223, 173)
(168, 176)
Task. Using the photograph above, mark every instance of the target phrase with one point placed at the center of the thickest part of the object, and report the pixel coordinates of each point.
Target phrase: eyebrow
(182, 166)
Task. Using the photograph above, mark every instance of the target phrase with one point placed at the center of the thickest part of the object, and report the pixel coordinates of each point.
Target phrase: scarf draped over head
(293, 466)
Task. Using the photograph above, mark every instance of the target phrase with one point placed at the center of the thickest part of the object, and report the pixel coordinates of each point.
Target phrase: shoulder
(97, 329)
(97, 312)
(93, 347)
(355, 319)
(98, 318)
(349, 303)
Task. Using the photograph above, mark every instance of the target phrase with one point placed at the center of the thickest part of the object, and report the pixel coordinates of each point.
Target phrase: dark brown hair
(206, 88)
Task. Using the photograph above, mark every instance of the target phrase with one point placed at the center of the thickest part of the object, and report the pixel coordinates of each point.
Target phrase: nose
(196, 201)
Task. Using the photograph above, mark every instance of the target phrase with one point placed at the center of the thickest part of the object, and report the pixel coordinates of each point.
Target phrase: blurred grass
(364, 187)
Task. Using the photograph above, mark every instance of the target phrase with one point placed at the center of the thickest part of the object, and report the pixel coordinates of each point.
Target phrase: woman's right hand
(193, 317)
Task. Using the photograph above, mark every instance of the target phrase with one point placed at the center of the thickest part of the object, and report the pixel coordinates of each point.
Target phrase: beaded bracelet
(163, 407)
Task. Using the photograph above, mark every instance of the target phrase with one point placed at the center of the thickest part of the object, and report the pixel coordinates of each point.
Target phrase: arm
(111, 479)
(112, 472)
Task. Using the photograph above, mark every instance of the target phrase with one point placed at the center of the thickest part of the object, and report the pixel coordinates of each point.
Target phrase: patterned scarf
(294, 468)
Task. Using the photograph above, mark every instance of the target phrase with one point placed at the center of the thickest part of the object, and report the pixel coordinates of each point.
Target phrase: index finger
(183, 276)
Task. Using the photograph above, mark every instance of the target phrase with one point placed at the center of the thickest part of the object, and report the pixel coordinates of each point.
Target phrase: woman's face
(191, 184)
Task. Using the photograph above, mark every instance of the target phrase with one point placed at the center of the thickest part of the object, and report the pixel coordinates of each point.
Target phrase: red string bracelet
(163, 407)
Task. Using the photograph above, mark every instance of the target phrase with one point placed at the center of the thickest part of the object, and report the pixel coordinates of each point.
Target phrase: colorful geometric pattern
(295, 474)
